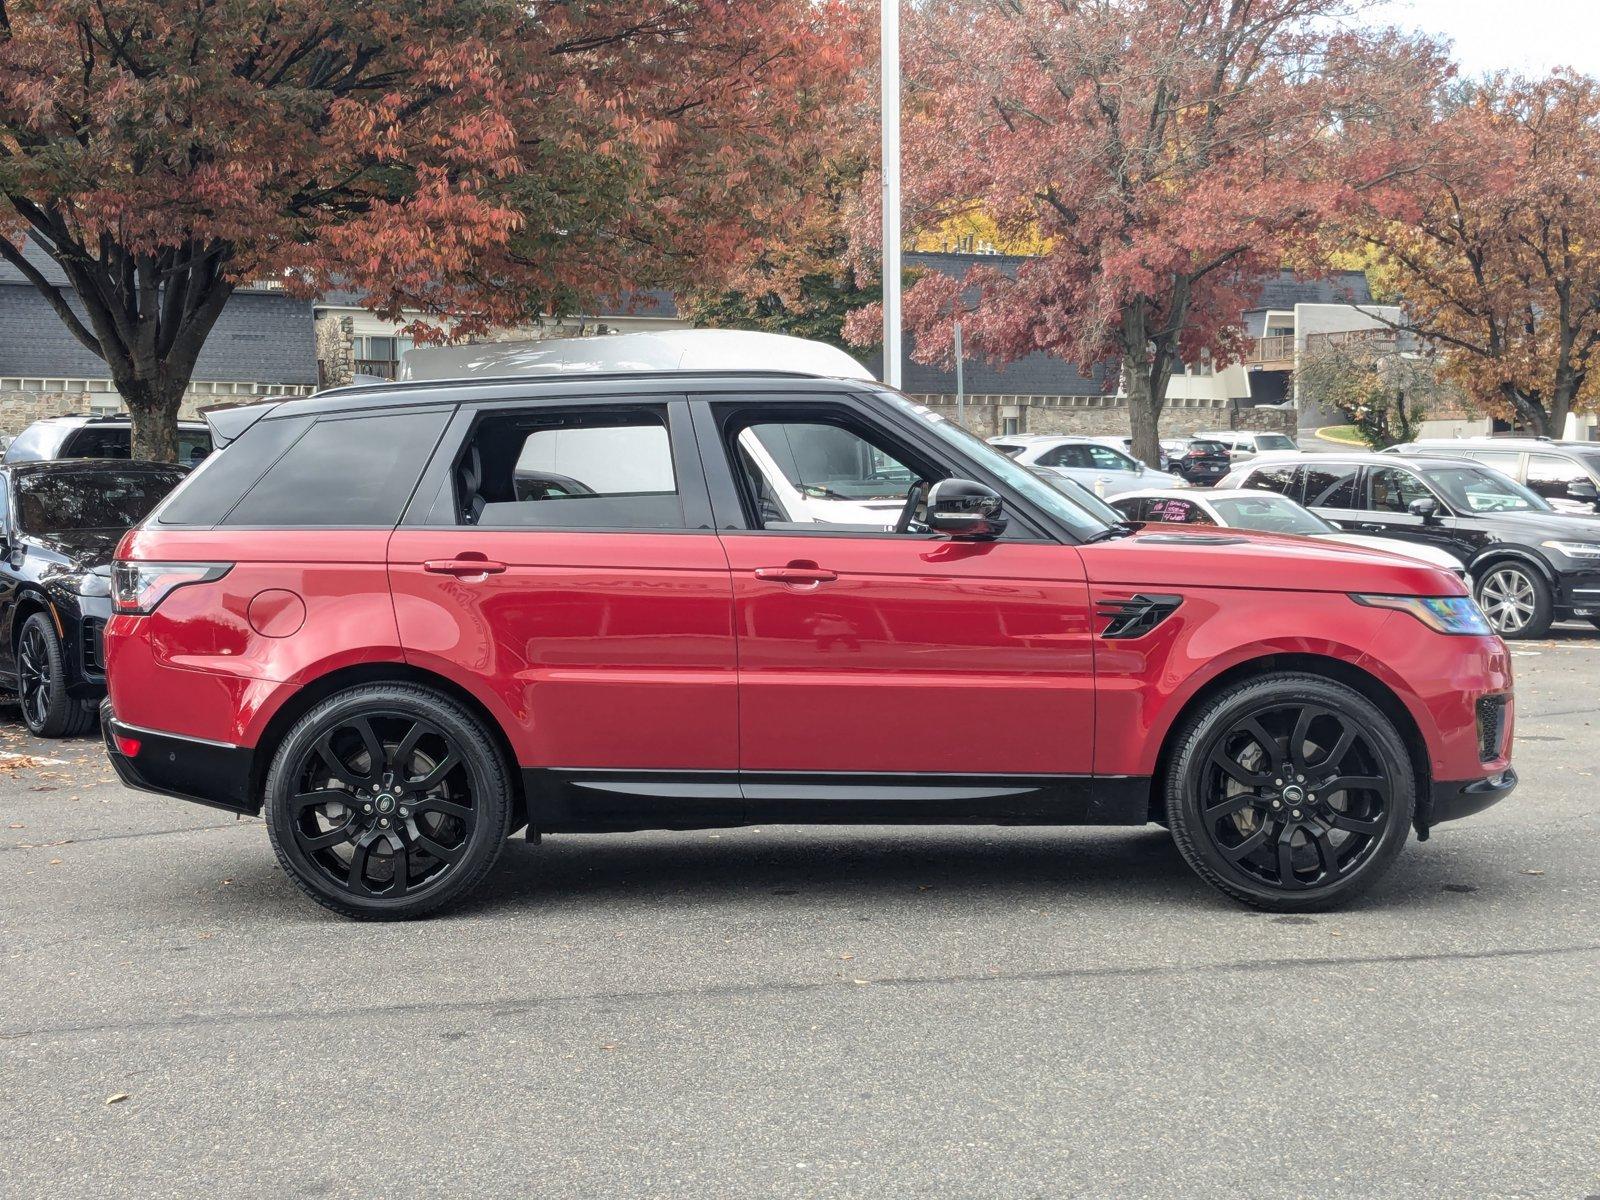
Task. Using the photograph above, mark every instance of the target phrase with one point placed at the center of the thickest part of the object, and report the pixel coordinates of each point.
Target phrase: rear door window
(1282, 480)
(570, 469)
(1070, 455)
(1171, 510)
(1550, 476)
(343, 472)
(1329, 486)
(99, 441)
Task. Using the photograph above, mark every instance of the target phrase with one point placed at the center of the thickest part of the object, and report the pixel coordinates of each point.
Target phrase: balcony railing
(1273, 352)
(383, 368)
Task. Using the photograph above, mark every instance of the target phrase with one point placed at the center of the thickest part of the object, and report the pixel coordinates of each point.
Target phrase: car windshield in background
(1475, 490)
(1270, 514)
(63, 501)
(1079, 518)
(1273, 441)
(1208, 447)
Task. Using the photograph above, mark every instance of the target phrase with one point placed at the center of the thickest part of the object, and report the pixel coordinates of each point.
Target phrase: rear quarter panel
(197, 666)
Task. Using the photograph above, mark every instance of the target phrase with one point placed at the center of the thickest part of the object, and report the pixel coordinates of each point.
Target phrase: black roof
(85, 466)
(106, 419)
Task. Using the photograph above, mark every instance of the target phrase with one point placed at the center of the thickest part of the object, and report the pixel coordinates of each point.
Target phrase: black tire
(1516, 599)
(42, 683)
(1232, 824)
(326, 807)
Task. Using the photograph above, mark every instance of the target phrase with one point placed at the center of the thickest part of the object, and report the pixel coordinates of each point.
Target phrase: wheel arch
(305, 698)
(29, 601)
(1494, 555)
(1368, 685)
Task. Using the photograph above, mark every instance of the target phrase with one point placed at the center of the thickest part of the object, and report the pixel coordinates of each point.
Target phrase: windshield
(64, 501)
(1273, 441)
(1474, 490)
(1208, 447)
(1270, 514)
(1058, 503)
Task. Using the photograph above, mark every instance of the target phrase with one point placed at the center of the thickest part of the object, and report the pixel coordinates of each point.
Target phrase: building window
(1010, 426)
(380, 356)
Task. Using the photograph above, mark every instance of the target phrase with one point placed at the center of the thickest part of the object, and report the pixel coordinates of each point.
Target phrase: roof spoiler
(228, 421)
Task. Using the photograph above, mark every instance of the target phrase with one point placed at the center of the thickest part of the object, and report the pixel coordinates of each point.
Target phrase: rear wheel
(1290, 792)
(1516, 599)
(42, 683)
(387, 802)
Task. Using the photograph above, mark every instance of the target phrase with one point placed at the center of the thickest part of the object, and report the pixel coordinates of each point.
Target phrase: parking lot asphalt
(807, 1012)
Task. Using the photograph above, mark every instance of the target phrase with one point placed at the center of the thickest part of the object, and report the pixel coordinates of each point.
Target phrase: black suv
(1200, 461)
(1567, 474)
(1530, 564)
(60, 523)
(78, 436)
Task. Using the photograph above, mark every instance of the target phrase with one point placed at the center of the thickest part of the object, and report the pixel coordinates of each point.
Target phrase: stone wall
(336, 350)
(1103, 416)
(19, 409)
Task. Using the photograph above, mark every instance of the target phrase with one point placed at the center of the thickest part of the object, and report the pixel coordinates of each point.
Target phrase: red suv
(409, 620)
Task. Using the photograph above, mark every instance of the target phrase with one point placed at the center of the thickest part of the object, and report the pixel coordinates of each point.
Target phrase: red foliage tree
(483, 160)
(1166, 151)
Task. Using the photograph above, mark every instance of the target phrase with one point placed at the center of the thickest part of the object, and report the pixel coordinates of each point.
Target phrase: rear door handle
(797, 573)
(463, 566)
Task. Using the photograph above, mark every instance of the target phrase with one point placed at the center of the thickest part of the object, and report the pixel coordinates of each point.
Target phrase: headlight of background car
(94, 584)
(1444, 614)
(1589, 550)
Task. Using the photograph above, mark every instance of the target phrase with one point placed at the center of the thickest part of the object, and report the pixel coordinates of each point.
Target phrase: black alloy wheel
(1290, 792)
(47, 709)
(388, 801)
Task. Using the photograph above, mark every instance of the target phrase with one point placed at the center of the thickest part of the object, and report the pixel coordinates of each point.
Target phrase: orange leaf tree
(1165, 152)
(1496, 252)
(482, 160)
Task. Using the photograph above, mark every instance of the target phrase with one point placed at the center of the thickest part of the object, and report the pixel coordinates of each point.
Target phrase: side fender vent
(1136, 616)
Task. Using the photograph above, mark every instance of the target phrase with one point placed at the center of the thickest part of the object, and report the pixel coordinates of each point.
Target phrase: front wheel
(1517, 601)
(1290, 792)
(387, 801)
(47, 709)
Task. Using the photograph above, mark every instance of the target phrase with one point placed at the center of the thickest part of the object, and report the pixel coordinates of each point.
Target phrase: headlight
(1574, 549)
(1443, 614)
(139, 586)
(94, 585)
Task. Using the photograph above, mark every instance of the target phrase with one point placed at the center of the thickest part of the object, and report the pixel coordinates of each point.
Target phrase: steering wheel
(914, 516)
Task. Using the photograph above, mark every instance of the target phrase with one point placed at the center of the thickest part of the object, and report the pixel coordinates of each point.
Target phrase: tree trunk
(1532, 411)
(154, 409)
(1144, 413)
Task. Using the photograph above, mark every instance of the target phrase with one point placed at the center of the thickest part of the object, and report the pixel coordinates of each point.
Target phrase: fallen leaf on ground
(116, 1097)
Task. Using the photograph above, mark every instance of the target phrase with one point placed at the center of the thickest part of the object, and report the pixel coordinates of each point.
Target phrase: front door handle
(803, 574)
(465, 565)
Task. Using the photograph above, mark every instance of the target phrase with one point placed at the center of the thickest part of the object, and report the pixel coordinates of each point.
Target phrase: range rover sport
(406, 621)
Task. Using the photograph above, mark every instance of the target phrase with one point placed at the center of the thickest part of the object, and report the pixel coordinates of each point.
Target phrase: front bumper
(1453, 799)
(202, 772)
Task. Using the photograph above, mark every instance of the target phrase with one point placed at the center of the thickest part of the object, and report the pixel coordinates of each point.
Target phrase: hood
(1417, 550)
(1568, 525)
(1182, 556)
(82, 548)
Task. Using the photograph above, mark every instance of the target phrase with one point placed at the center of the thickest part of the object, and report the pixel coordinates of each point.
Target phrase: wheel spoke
(439, 804)
(438, 849)
(340, 769)
(376, 758)
(1229, 805)
(357, 876)
(307, 800)
(1356, 783)
(1270, 746)
(435, 777)
(406, 748)
(1327, 852)
(401, 859)
(1368, 828)
(1245, 848)
(1297, 739)
(1341, 747)
(1286, 875)
(334, 837)
(1237, 770)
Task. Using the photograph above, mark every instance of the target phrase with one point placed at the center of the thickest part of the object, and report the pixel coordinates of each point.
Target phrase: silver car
(1102, 469)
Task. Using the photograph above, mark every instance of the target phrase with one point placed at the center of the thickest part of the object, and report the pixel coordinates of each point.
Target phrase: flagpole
(889, 69)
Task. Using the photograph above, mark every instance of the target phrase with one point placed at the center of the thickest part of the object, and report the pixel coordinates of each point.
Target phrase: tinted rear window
(217, 484)
(344, 472)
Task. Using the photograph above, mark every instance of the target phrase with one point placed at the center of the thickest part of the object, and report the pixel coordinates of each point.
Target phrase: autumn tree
(1495, 253)
(1383, 389)
(480, 160)
(1164, 150)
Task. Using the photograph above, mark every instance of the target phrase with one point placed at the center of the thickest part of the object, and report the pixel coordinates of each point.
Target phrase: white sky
(1530, 36)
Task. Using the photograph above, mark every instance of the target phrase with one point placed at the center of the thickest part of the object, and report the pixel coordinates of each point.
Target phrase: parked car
(1104, 469)
(81, 436)
(1530, 565)
(348, 621)
(1199, 461)
(1242, 444)
(59, 526)
(1567, 474)
(1172, 451)
(1266, 512)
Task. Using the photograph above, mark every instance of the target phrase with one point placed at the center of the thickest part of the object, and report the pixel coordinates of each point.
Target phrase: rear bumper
(202, 772)
(1453, 799)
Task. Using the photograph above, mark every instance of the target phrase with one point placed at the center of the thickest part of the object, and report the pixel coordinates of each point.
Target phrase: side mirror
(1138, 467)
(1425, 507)
(964, 509)
(1583, 489)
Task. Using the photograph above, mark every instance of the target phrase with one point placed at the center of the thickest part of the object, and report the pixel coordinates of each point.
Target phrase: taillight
(128, 747)
(138, 587)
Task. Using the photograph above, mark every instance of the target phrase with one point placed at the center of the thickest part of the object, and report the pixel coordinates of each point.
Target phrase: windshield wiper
(1121, 529)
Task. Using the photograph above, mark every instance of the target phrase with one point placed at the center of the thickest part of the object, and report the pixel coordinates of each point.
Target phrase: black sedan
(60, 522)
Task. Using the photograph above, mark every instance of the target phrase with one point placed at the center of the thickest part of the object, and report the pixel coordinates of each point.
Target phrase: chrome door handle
(463, 566)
